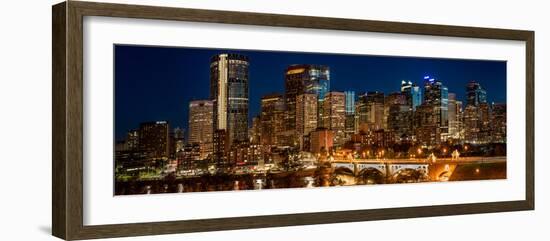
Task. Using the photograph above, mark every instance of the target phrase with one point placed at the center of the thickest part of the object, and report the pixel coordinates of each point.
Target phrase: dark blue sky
(157, 83)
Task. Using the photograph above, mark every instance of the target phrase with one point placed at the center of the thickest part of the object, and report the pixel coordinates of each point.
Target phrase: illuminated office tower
(361, 113)
(398, 115)
(272, 119)
(485, 123)
(306, 116)
(350, 114)
(132, 140)
(437, 96)
(472, 124)
(375, 109)
(154, 139)
(229, 93)
(370, 111)
(498, 123)
(455, 117)
(255, 130)
(425, 126)
(304, 79)
(201, 125)
(334, 117)
(395, 98)
(412, 92)
(475, 94)
(477, 115)
(179, 139)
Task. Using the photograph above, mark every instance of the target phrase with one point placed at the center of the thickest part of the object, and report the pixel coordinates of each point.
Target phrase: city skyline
(317, 132)
(173, 69)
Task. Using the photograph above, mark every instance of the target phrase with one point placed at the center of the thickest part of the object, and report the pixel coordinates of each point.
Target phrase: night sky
(157, 83)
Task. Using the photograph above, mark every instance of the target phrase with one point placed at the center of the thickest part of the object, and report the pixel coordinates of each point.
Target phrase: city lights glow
(305, 133)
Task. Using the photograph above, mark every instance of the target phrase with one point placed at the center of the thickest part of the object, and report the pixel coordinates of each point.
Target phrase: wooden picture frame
(67, 150)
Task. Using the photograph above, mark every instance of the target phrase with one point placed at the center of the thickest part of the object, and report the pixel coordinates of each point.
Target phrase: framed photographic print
(171, 120)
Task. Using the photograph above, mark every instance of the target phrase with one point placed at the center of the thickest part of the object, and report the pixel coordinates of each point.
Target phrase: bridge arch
(343, 170)
(409, 175)
(362, 166)
(370, 175)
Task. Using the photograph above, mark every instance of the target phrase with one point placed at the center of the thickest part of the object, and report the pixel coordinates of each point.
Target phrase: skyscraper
(350, 114)
(350, 101)
(304, 79)
(485, 123)
(498, 123)
(425, 125)
(412, 92)
(455, 117)
(475, 94)
(472, 124)
(272, 119)
(375, 108)
(306, 116)
(229, 93)
(201, 127)
(370, 109)
(398, 115)
(255, 131)
(395, 98)
(437, 96)
(334, 117)
(361, 113)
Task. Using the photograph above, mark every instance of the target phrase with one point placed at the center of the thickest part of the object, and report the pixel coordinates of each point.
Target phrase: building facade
(154, 139)
(321, 141)
(412, 92)
(437, 97)
(304, 79)
(475, 94)
(334, 116)
(498, 122)
(351, 122)
(201, 125)
(229, 94)
(272, 119)
(306, 116)
(455, 118)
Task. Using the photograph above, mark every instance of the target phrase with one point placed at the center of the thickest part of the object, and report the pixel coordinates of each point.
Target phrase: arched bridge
(440, 169)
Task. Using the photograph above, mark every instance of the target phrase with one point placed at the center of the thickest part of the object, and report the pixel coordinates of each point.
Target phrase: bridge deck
(462, 160)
